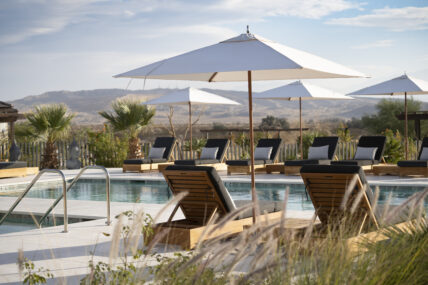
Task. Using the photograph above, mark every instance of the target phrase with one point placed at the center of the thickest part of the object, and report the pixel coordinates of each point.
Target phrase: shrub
(197, 145)
(394, 148)
(107, 149)
(270, 122)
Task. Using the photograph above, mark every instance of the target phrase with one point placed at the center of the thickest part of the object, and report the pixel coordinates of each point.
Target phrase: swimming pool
(157, 192)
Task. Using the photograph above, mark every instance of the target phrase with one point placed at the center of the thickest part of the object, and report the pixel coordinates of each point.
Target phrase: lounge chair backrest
(274, 143)
(424, 144)
(330, 141)
(222, 145)
(327, 185)
(206, 192)
(374, 141)
(168, 143)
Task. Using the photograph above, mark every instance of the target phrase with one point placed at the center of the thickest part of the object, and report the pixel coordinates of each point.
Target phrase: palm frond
(128, 115)
(50, 121)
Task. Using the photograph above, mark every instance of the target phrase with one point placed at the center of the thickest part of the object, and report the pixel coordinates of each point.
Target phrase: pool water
(157, 192)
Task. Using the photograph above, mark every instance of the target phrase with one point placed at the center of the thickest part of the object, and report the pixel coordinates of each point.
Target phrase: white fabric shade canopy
(299, 90)
(190, 96)
(230, 60)
(243, 58)
(402, 85)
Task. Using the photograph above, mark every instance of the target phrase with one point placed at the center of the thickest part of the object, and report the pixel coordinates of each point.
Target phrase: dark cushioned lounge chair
(207, 196)
(318, 141)
(222, 144)
(367, 141)
(243, 165)
(415, 167)
(147, 164)
(293, 166)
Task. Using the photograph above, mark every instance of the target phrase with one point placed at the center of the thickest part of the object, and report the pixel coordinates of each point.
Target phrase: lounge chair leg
(306, 192)
(362, 224)
(172, 214)
(211, 216)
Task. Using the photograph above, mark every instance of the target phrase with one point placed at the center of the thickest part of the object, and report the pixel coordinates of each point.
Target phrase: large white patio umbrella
(243, 58)
(299, 90)
(190, 96)
(402, 85)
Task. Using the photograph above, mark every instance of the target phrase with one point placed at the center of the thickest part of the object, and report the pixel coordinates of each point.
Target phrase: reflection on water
(158, 192)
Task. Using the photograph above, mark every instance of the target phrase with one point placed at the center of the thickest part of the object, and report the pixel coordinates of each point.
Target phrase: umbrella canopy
(190, 96)
(230, 60)
(299, 90)
(402, 85)
(243, 58)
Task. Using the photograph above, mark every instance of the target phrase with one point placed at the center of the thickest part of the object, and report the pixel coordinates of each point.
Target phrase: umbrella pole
(406, 143)
(190, 130)
(253, 178)
(301, 137)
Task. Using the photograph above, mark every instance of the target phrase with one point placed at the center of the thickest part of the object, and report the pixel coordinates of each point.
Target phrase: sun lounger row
(368, 155)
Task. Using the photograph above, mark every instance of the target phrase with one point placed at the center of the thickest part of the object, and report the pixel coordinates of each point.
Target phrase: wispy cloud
(395, 19)
(213, 31)
(313, 9)
(20, 20)
(23, 19)
(376, 44)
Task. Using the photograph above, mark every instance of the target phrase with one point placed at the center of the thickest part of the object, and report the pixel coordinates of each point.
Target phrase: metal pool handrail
(35, 179)
(108, 222)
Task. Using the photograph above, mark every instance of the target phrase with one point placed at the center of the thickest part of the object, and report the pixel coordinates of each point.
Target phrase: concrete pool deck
(117, 174)
(67, 254)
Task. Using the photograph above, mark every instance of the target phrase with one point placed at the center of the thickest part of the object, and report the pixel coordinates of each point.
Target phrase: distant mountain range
(87, 103)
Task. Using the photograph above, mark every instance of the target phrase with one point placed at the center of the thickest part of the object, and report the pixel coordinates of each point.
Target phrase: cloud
(376, 44)
(395, 19)
(23, 19)
(313, 9)
(213, 31)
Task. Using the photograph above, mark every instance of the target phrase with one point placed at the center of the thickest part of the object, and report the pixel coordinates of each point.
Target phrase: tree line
(124, 123)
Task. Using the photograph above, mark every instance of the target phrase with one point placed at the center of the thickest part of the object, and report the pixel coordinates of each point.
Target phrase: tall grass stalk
(269, 253)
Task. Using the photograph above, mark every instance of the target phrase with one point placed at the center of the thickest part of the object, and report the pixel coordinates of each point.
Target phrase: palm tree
(129, 116)
(50, 123)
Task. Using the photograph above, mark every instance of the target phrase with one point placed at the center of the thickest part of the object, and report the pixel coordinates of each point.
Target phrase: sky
(48, 45)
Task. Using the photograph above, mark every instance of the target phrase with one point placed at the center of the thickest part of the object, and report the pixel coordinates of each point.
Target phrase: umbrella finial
(248, 29)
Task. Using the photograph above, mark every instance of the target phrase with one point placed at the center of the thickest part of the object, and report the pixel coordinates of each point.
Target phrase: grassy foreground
(260, 255)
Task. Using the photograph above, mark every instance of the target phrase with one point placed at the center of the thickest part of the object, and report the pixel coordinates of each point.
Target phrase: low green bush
(107, 149)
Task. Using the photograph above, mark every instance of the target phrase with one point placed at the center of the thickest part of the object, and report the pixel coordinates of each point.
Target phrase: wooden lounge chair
(416, 167)
(16, 169)
(218, 162)
(149, 164)
(206, 197)
(243, 166)
(337, 189)
(292, 167)
(366, 163)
